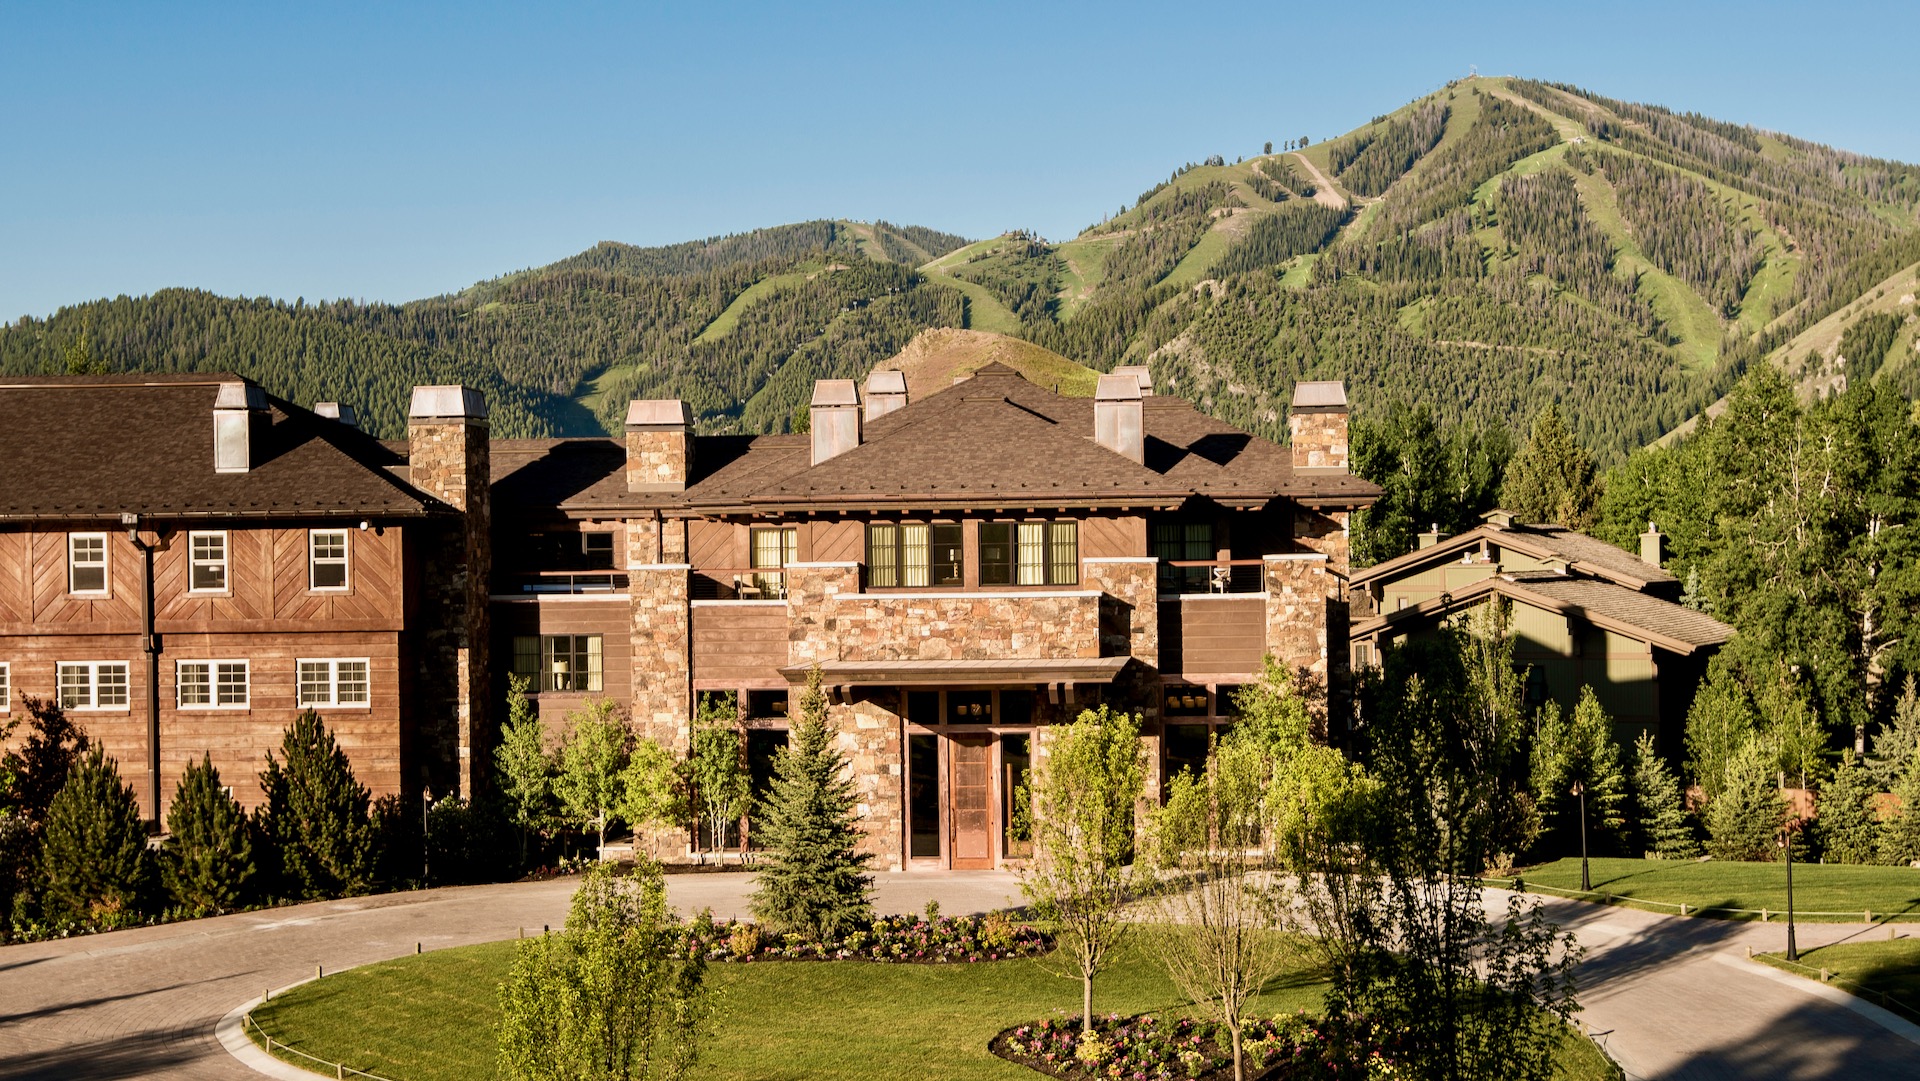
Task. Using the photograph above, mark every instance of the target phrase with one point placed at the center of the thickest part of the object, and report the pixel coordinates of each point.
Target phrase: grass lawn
(1889, 967)
(1845, 893)
(431, 1017)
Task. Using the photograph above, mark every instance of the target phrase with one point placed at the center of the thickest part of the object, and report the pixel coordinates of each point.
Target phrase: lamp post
(1793, 951)
(1580, 793)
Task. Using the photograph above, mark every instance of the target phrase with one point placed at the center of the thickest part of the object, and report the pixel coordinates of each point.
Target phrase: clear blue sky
(396, 151)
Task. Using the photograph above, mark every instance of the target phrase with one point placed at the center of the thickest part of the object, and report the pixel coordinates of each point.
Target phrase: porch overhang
(994, 673)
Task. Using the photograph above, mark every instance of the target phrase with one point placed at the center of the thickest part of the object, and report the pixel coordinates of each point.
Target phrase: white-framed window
(87, 563)
(207, 561)
(88, 685)
(334, 682)
(560, 662)
(211, 684)
(6, 687)
(326, 559)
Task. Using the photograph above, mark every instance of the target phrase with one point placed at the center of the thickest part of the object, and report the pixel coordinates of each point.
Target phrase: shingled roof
(995, 439)
(97, 447)
(1578, 550)
(1638, 615)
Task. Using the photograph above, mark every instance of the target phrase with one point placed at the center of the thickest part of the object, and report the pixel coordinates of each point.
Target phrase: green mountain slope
(1489, 248)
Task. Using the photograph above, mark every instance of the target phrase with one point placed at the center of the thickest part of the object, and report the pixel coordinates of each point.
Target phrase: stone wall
(448, 459)
(1319, 440)
(1130, 611)
(657, 460)
(1325, 532)
(830, 619)
(867, 732)
(663, 670)
(1299, 596)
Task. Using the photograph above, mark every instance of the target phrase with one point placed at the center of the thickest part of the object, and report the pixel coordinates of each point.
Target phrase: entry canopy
(995, 673)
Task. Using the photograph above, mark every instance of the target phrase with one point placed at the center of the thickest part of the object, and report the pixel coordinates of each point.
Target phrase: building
(1584, 613)
(187, 562)
(964, 570)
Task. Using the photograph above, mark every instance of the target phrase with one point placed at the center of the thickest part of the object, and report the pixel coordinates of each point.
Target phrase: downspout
(150, 645)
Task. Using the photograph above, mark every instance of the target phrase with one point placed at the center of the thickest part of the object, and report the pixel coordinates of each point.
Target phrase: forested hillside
(1492, 248)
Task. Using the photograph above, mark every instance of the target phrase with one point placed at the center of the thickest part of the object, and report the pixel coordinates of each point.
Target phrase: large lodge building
(186, 562)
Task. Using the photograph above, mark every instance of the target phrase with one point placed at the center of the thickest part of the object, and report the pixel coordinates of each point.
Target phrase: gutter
(150, 645)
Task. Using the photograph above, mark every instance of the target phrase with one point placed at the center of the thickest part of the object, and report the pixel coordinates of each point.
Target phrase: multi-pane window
(333, 682)
(596, 551)
(1029, 553)
(6, 687)
(774, 548)
(914, 554)
(92, 684)
(327, 559)
(212, 684)
(207, 562)
(86, 563)
(561, 662)
(1183, 540)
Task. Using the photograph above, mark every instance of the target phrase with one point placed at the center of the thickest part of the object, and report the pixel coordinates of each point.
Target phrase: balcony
(1211, 576)
(564, 583)
(739, 584)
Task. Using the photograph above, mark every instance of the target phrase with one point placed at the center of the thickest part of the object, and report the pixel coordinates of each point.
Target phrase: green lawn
(430, 1017)
(1892, 968)
(1846, 892)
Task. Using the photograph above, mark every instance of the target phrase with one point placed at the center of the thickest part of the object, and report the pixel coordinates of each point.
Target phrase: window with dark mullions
(909, 554)
(1029, 553)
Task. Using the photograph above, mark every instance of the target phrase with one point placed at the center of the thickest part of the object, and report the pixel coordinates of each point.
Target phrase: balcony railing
(740, 584)
(1212, 576)
(567, 582)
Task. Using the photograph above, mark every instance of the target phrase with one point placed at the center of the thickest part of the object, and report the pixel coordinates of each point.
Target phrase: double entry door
(959, 805)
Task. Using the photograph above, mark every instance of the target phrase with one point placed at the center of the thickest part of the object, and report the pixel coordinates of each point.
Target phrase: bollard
(1824, 975)
(1763, 915)
(1749, 953)
(1683, 908)
(340, 1072)
(1869, 915)
(1890, 934)
(318, 972)
(546, 929)
(416, 948)
(523, 932)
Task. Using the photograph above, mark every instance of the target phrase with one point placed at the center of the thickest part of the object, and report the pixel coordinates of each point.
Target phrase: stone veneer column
(448, 458)
(1133, 583)
(814, 623)
(661, 644)
(1299, 594)
(868, 734)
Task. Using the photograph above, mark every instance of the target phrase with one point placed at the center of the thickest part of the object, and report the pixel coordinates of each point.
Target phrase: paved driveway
(1677, 994)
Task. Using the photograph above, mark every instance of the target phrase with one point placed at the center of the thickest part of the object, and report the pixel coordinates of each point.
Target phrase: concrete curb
(1886, 1019)
(231, 1031)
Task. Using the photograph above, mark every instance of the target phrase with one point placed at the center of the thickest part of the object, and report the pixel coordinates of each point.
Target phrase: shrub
(617, 995)
(207, 860)
(468, 842)
(94, 862)
(316, 816)
(39, 766)
(813, 880)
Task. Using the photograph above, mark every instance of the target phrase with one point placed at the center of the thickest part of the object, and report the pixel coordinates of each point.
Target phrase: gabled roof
(995, 439)
(1580, 552)
(1637, 615)
(97, 447)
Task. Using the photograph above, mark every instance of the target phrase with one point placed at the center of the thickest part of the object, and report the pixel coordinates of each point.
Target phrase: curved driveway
(1674, 996)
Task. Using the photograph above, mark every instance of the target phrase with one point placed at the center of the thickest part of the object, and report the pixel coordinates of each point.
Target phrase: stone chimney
(1432, 536)
(886, 392)
(1653, 546)
(659, 445)
(1317, 426)
(335, 411)
(834, 418)
(1118, 424)
(239, 421)
(1138, 371)
(449, 459)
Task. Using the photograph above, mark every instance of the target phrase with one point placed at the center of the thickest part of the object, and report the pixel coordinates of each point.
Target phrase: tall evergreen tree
(316, 815)
(1744, 820)
(207, 861)
(94, 863)
(814, 878)
(1845, 827)
(1720, 722)
(1551, 479)
(1898, 842)
(1896, 748)
(1579, 751)
(1663, 818)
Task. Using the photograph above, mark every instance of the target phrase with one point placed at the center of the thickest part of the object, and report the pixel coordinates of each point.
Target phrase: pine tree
(1897, 748)
(207, 861)
(316, 815)
(1663, 817)
(813, 879)
(1551, 479)
(1580, 751)
(1845, 826)
(1898, 842)
(94, 862)
(1744, 820)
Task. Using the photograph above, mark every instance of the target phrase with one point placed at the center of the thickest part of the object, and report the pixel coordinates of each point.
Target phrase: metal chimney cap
(240, 395)
(449, 401)
(1117, 387)
(335, 411)
(659, 413)
(887, 381)
(1140, 372)
(835, 392)
(1320, 396)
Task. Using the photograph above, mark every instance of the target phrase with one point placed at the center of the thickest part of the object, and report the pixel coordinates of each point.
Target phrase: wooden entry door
(970, 813)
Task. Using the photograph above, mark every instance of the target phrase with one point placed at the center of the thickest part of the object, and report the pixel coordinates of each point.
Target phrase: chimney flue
(239, 412)
(336, 411)
(1653, 544)
(1118, 422)
(886, 392)
(1432, 536)
(1138, 371)
(834, 418)
(1317, 426)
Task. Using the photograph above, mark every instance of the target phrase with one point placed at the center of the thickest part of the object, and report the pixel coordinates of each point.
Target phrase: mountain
(1490, 248)
(936, 357)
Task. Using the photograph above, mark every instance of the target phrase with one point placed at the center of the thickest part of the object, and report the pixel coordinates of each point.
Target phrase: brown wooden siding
(715, 544)
(1222, 635)
(16, 583)
(1103, 538)
(739, 644)
(612, 619)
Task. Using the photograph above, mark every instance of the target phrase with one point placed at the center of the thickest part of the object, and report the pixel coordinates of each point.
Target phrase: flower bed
(1145, 1048)
(892, 939)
